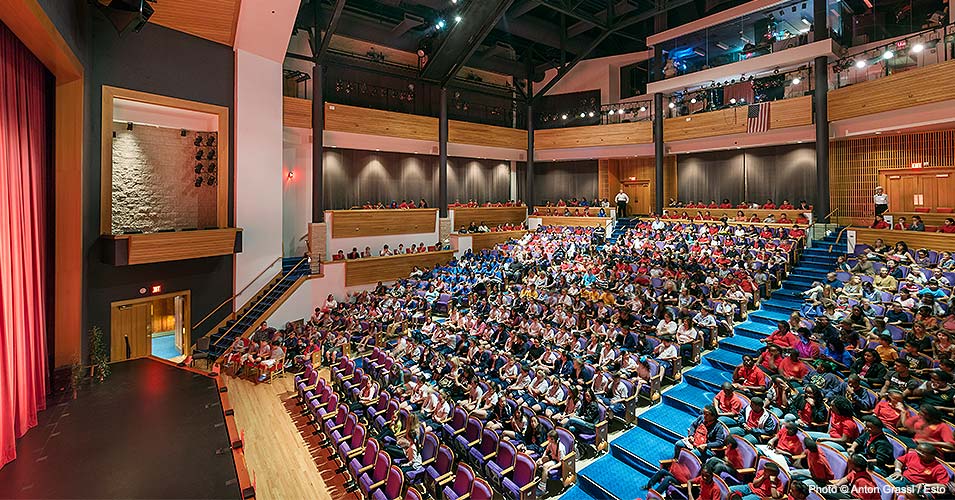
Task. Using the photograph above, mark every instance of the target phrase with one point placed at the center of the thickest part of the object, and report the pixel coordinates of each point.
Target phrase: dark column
(821, 113)
(658, 150)
(529, 178)
(318, 126)
(443, 154)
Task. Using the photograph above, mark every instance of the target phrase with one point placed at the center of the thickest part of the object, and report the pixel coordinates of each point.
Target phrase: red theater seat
(923, 210)
(944, 210)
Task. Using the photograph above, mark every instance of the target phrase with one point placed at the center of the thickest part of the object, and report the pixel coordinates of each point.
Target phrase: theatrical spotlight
(198, 182)
(211, 155)
(198, 168)
(211, 168)
(199, 155)
(211, 140)
(198, 141)
(211, 181)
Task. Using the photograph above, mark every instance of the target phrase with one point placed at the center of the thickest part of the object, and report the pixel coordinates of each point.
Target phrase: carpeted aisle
(635, 455)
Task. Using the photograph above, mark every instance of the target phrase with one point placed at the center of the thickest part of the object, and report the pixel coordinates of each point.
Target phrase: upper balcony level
(766, 35)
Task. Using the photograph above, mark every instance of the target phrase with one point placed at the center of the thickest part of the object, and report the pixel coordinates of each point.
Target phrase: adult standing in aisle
(881, 200)
(622, 199)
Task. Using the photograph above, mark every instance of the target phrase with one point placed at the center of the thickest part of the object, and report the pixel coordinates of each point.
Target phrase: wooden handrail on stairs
(838, 237)
(259, 301)
(240, 292)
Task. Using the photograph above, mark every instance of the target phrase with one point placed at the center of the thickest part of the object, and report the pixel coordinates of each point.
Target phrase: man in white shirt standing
(622, 199)
(881, 200)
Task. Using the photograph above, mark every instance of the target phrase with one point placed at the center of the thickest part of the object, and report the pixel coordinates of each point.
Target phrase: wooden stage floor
(280, 451)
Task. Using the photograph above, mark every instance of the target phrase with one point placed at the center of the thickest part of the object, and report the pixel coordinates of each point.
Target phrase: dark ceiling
(507, 36)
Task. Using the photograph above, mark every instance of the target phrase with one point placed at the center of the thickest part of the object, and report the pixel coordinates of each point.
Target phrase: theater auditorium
(477, 249)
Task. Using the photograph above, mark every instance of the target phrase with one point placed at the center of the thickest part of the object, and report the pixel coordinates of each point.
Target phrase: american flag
(757, 118)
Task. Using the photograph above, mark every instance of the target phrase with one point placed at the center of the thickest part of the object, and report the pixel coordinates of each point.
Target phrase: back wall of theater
(776, 172)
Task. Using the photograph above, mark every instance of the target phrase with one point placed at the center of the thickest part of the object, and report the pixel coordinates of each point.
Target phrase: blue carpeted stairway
(621, 227)
(635, 455)
(293, 268)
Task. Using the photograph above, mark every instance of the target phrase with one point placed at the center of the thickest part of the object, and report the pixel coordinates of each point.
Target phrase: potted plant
(99, 355)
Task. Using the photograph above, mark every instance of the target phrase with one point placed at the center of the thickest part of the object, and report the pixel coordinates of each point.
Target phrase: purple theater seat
(439, 472)
(838, 461)
(338, 436)
(521, 485)
(336, 422)
(470, 437)
(693, 466)
(455, 426)
(392, 487)
(380, 407)
(429, 454)
(568, 467)
(461, 485)
(354, 445)
(485, 450)
(383, 420)
(328, 408)
(370, 481)
(503, 462)
(598, 438)
(364, 462)
(412, 494)
(480, 490)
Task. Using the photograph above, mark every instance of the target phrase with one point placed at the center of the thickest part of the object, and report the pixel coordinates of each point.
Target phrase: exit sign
(917, 164)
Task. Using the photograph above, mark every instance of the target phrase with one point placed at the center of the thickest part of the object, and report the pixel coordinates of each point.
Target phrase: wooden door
(639, 193)
(938, 189)
(130, 323)
(911, 193)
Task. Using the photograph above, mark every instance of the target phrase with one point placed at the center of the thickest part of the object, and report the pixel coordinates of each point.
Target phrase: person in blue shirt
(932, 289)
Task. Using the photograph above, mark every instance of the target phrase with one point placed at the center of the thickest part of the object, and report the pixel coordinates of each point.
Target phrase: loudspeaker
(126, 15)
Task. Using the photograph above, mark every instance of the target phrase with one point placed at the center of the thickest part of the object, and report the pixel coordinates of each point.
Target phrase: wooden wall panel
(489, 240)
(854, 165)
(486, 135)
(164, 247)
(296, 112)
(575, 221)
(926, 85)
(492, 216)
(933, 241)
(354, 223)
(372, 270)
(618, 134)
(342, 118)
(790, 112)
(210, 19)
(713, 123)
(603, 179)
(621, 170)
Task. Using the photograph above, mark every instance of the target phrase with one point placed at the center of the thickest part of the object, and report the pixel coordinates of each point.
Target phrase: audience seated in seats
(549, 330)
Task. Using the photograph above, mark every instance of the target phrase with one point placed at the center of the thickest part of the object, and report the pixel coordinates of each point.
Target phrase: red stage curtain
(23, 166)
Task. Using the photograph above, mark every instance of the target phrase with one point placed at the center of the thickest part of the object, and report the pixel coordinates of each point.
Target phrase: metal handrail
(264, 295)
(240, 292)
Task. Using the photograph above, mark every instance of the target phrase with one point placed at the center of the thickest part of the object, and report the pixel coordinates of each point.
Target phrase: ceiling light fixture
(888, 54)
(917, 48)
(796, 81)
(457, 19)
(860, 63)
